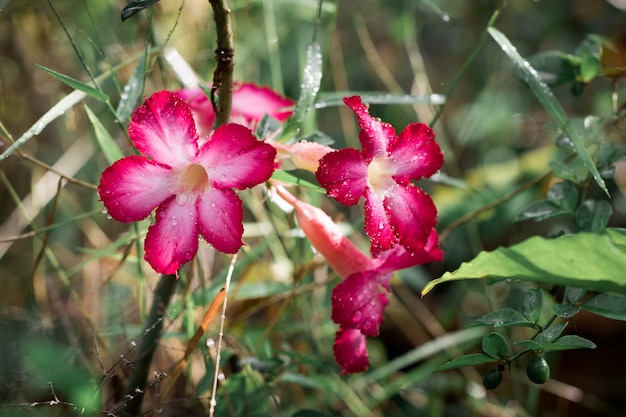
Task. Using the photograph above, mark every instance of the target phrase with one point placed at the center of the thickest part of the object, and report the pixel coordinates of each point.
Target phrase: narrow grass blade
(107, 144)
(548, 101)
(336, 98)
(133, 89)
(75, 84)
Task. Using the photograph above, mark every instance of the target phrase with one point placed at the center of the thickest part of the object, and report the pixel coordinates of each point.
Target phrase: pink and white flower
(190, 183)
(396, 211)
(359, 301)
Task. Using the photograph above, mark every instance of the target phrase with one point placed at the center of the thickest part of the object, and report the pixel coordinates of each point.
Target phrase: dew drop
(445, 17)
(104, 210)
(182, 198)
(356, 317)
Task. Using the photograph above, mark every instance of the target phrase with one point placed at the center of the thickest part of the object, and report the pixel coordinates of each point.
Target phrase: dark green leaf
(573, 295)
(593, 215)
(568, 342)
(267, 126)
(550, 334)
(586, 260)
(75, 84)
(135, 7)
(495, 345)
(607, 305)
(549, 102)
(529, 344)
(532, 301)
(133, 89)
(564, 194)
(310, 413)
(573, 170)
(503, 318)
(565, 311)
(554, 67)
(319, 137)
(466, 360)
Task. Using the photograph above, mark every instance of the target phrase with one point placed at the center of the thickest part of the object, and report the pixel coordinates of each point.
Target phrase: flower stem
(152, 332)
(223, 75)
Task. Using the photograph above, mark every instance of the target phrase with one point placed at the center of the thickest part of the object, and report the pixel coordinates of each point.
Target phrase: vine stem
(220, 337)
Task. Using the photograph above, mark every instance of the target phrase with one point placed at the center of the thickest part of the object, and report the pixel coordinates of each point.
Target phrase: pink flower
(189, 183)
(250, 104)
(359, 301)
(396, 212)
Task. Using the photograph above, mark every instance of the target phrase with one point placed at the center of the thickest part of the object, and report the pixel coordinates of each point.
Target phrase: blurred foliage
(70, 318)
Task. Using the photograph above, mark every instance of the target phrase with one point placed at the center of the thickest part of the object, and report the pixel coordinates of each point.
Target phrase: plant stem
(152, 332)
(223, 75)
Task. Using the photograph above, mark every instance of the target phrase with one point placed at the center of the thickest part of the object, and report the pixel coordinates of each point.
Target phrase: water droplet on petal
(356, 317)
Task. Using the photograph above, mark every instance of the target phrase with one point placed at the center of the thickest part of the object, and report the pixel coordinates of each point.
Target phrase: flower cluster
(189, 172)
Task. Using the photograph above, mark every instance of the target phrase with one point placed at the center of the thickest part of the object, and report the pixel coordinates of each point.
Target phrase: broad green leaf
(593, 215)
(573, 294)
(503, 318)
(607, 305)
(495, 345)
(133, 89)
(107, 144)
(568, 342)
(135, 7)
(310, 87)
(564, 194)
(466, 360)
(587, 260)
(532, 301)
(336, 98)
(75, 84)
(541, 210)
(548, 101)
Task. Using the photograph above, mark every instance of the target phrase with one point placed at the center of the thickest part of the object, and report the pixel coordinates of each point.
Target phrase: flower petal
(233, 157)
(399, 258)
(252, 102)
(416, 154)
(412, 214)
(358, 303)
(220, 216)
(163, 128)
(304, 155)
(201, 108)
(377, 224)
(376, 137)
(344, 175)
(173, 239)
(133, 186)
(325, 236)
(351, 351)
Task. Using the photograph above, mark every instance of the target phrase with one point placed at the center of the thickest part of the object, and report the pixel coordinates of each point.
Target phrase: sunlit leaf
(75, 84)
(587, 260)
(548, 101)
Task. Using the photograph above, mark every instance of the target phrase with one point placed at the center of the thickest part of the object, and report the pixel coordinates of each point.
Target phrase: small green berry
(537, 369)
(492, 378)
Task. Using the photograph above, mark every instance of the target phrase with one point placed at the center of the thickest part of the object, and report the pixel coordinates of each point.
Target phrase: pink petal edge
(350, 351)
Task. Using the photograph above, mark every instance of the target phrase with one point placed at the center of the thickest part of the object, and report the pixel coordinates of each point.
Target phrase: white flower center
(379, 173)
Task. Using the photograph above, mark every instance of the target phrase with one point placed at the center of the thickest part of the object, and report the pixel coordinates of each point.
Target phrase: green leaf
(607, 305)
(503, 318)
(593, 215)
(549, 102)
(529, 344)
(135, 7)
(466, 360)
(568, 342)
(541, 210)
(107, 144)
(331, 99)
(532, 301)
(495, 345)
(554, 67)
(573, 170)
(587, 260)
(289, 177)
(77, 85)
(310, 87)
(573, 295)
(550, 334)
(133, 89)
(564, 194)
